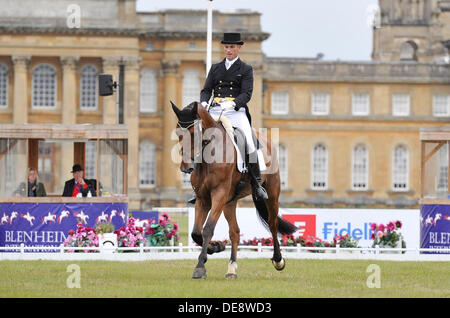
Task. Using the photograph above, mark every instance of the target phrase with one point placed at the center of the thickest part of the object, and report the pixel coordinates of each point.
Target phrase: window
(408, 51)
(89, 88)
(360, 168)
(186, 180)
(148, 90)
(360, 104)
(400, 104)
(320, 167)
(3, 86)
(441, 105)
(443, 169)
(147, 164)
(320, 104)
(91, 159)
(149, 46)
(283, 164)
(400, 169)
(191, 86)
(280, 103)
(44, 86)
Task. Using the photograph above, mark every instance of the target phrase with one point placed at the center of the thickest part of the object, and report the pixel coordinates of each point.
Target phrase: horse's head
(188, 123)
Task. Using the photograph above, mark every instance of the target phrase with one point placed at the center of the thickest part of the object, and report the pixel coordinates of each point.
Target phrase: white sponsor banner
(323, 223)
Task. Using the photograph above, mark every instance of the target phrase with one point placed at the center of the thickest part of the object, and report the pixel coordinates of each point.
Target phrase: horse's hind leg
(277, 259)
(230, 214)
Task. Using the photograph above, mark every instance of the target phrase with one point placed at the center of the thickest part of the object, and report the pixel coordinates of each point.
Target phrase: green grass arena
(256, 278)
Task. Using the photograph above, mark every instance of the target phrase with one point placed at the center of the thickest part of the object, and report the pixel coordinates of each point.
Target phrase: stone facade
(172, 43)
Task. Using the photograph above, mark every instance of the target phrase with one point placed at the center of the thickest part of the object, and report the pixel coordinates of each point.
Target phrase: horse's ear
(194, 110)
(175, 109)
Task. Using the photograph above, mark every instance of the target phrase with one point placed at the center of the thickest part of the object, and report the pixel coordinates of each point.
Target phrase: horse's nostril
(190, 170)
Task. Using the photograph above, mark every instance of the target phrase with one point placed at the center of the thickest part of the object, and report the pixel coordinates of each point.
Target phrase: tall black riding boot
(259, 193)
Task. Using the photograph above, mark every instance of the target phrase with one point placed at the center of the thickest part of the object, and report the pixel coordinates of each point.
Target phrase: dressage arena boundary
(144, 253)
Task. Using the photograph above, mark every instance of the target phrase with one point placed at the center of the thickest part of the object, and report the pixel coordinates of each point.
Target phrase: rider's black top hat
(232, 38)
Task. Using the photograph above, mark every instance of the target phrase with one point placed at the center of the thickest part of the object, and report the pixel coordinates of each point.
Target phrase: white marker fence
(180, 252)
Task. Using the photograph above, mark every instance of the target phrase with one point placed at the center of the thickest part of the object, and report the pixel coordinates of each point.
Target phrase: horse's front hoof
(230, 276)
(199, 272)
(279, 266)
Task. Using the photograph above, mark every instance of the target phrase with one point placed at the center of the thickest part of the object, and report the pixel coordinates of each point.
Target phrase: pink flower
(373, 236)
(380, 234)
(398, 224)
(373, 226)
(381, 227)
(390, 226)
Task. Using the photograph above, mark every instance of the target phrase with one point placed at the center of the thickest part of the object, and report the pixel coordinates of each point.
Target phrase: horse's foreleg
(218, 200)
(234, 232)
(201, 212)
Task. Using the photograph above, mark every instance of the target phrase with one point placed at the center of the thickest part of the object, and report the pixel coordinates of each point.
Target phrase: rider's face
(231, 50)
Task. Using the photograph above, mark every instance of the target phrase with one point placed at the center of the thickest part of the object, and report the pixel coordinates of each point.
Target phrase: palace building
(348, 130)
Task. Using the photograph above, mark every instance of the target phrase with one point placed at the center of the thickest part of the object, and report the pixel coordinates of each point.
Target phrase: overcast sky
(299, 28)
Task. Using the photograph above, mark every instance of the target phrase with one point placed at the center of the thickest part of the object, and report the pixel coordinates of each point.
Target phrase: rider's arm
(246, 88)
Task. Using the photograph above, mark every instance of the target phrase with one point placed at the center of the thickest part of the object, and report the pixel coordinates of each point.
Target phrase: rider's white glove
(229, 104)
(204, 104)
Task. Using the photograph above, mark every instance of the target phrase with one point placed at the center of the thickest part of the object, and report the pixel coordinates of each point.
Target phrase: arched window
(147, 164)
(191, 86)
(319, 178)
(3, 86)
(360, 168)
(400, 168)
(148, 90)
(408, 51)
(89, 87)
(283, 164)
(44, 86)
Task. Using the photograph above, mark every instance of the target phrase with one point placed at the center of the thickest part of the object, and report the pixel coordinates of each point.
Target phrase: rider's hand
(204, 104)
(229, 104)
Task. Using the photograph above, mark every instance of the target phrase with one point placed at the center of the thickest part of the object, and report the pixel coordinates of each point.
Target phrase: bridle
(185, 126)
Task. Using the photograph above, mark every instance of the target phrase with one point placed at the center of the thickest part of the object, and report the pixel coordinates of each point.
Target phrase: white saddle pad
(240, 161)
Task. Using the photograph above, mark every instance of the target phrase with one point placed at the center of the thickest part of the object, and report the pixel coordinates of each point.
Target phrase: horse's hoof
(279, 266)
(230, 276)
(199, 272)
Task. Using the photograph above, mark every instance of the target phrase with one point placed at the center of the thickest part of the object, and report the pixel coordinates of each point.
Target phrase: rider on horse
(230, 82)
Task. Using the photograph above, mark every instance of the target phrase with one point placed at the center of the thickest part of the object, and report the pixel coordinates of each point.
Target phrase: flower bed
(387, 235)
(162, 233)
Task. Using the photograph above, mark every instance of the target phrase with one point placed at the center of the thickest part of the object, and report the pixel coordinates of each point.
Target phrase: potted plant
(130, 236)
(84, 236)
(345, 241)
(106, 236)
(162, 233)
(388, 236)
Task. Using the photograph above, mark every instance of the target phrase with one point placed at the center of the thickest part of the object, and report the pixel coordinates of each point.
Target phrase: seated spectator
(32, 188)
(78, 186)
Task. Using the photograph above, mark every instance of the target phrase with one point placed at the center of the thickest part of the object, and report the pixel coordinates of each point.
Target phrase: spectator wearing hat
(78, 186)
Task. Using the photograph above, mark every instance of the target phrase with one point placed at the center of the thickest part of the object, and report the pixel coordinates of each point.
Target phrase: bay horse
(215, 185)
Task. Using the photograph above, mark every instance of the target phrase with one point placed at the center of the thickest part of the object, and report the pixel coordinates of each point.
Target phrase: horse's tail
(284, 227)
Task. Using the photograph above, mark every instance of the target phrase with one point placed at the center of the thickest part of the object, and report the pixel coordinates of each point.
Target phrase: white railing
(140, 253)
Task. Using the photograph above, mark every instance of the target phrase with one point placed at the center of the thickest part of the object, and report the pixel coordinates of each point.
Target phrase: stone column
(20, 106)
(256, 103)
(111, 66)
(68, 112)
(131, 119)
(169, 168)
(69, 89)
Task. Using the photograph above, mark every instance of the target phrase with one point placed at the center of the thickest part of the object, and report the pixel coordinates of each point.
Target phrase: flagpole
(209, 37)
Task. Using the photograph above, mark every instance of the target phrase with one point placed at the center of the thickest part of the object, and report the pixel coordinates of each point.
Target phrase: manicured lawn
(256, 278)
